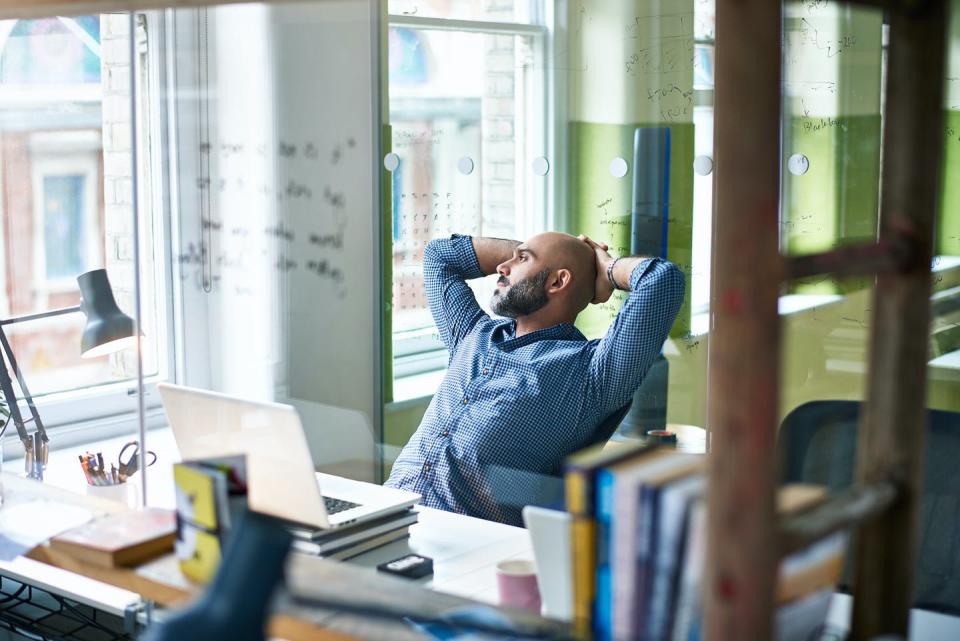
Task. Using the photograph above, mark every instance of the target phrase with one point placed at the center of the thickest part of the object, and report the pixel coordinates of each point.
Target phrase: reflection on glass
(273, 219)
(833, 71)
(465, 117)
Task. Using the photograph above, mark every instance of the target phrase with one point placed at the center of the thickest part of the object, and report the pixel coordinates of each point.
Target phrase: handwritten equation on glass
(247, 195)
(419, 217)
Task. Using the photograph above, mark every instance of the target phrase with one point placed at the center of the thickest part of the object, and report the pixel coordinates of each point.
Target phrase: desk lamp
(107, 330)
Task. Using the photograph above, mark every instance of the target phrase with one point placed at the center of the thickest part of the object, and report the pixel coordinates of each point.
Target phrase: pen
(86, 472)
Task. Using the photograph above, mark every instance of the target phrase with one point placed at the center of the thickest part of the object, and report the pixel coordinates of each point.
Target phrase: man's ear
(560, 281)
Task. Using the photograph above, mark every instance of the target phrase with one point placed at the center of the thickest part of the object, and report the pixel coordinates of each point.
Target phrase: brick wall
(118, 190)
(499, 143)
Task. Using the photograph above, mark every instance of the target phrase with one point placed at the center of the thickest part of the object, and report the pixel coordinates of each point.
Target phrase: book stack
(638, 533)
(349, 541)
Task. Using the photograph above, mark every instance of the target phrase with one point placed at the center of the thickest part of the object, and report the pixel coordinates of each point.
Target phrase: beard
(524, 297)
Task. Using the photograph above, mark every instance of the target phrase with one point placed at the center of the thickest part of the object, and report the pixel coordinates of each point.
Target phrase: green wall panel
(948, 225)
(836, 201)
(600, 204)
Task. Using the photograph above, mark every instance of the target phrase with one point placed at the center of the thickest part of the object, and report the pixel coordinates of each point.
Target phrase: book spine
(603, 609)
(624, 560)
(583, 547)
(645, 545)
(674, 588)
(686, 621)
(664, 563)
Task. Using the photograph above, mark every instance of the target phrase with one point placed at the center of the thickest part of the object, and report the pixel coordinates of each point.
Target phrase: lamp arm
(7, 386)
(47, 314)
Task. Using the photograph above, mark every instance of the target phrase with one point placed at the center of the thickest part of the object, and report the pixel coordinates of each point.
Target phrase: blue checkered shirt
(522, 404)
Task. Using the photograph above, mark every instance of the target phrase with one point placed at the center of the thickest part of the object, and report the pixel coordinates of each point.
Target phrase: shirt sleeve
(622, 358)
(447, 264)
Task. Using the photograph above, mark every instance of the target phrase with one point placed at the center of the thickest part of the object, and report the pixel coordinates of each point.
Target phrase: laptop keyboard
(337, 505)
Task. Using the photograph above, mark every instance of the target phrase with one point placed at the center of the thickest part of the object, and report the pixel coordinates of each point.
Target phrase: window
(67, 181)
(467, 115)
(66, 237)
(704, 42)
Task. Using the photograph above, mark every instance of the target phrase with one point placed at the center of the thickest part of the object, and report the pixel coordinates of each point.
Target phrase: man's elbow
(673, 282)
(439, 255)
(433, 252)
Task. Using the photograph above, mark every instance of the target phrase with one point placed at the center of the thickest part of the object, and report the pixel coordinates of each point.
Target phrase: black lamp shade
(108, 329)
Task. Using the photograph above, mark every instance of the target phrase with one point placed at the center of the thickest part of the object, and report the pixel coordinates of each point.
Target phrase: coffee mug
(517, 585)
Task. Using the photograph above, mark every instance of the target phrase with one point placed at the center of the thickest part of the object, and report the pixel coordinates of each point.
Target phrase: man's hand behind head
(603, 288)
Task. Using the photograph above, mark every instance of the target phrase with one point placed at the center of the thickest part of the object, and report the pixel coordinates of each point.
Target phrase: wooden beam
(893, 422)
(844, 510)
(866, 259)
(745, 336)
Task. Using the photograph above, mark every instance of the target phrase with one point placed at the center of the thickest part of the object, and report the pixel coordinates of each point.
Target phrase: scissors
(132, 464)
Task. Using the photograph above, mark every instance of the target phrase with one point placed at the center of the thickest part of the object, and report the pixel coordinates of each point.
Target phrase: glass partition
(295, 161)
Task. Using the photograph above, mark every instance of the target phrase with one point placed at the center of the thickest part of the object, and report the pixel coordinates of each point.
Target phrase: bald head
(563, 251)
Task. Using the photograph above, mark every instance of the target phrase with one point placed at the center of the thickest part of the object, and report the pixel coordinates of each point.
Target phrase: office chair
(818, 445)
(608, 426)
(514, 489)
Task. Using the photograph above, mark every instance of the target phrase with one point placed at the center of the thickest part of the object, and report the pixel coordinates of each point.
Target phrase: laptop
(281, 479)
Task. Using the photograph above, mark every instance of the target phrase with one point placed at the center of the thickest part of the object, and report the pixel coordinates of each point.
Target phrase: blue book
(603, 605)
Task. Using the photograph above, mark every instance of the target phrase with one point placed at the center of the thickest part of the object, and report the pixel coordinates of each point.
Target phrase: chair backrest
(818, 441)
(609, 425)
(515, 489)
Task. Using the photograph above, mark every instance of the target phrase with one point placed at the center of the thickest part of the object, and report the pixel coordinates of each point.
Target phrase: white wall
(283, 303)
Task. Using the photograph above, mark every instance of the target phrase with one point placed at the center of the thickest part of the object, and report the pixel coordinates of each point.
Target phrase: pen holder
(120, 492)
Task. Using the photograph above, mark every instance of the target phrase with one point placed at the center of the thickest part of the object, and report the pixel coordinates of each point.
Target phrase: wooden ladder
(746, 541)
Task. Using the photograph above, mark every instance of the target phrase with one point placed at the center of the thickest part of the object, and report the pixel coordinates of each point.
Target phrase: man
(523, 392)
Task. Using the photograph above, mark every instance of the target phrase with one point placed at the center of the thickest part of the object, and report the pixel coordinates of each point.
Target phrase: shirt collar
(504, 335)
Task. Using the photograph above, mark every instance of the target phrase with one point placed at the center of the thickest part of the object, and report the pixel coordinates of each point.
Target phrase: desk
(945, 367)
(465, 551)
(691, 439)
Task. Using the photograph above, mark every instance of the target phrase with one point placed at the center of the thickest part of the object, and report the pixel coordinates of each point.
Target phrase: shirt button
(445, 433)
(426, 467)
(485, 371)
(465, 400)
